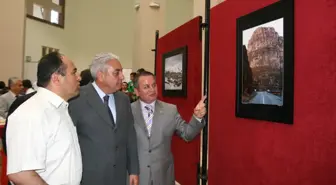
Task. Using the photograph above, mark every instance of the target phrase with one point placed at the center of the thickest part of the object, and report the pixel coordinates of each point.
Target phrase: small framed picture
(174, 71)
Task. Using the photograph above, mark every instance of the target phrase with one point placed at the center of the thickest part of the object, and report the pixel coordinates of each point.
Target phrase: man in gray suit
(105, 126)
(6, 100)
(155, 124)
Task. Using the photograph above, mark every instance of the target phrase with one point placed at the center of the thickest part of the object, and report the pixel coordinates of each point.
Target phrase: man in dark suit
(105, 126)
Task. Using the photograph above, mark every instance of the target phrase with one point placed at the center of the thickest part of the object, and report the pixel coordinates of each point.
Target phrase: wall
(39, 34)
(148, 20)
(178, 12)
(11, 38)
(254, 152)
(100, 26)
(86, 33)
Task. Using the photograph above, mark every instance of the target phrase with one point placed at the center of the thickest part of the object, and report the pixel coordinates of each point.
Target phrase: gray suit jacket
(107, 153)
(6, 101)
(155, 157)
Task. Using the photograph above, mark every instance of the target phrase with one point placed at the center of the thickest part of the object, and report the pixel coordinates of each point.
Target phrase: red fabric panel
(186, 155)
(248, 152)
(4, 178)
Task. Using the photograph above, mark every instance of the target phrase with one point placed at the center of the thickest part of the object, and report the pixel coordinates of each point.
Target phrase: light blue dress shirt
(111, 102)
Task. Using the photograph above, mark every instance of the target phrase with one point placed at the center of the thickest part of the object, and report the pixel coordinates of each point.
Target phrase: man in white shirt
(42, 143)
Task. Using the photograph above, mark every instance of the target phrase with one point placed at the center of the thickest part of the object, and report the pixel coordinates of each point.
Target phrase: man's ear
(100, 76)
(55, 78)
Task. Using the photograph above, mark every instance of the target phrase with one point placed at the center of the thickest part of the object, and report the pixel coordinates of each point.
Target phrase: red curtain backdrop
(250, 152)
(186, 155)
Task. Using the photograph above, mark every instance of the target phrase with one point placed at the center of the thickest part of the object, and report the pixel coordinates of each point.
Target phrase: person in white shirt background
(42, 143)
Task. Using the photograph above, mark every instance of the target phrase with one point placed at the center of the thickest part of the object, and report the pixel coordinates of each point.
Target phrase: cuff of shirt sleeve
(26, 167)
(198, 119)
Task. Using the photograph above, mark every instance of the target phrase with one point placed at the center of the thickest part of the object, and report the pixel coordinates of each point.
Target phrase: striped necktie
(149, 118)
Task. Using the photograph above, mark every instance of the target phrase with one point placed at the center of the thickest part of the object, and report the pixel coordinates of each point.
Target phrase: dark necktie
(106, 100)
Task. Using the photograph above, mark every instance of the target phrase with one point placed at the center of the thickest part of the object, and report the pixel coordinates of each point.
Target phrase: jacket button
(114, 166)
(149, 151)
(116, 147)
(148, 166)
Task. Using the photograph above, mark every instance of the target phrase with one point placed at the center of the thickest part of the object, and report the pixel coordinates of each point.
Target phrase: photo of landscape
(263, 61)
(173, 73)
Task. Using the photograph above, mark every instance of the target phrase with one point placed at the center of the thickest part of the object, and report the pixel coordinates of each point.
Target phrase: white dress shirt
(41, 137)
(144, 111)
(111, 102)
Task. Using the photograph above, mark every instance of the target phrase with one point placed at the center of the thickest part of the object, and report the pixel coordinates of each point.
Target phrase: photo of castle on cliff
(262, 61)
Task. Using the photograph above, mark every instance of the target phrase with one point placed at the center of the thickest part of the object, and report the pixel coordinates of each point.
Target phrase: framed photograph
(265, 63)
(174, 72)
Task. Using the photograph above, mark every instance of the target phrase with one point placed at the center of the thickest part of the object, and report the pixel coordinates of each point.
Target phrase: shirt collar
(52, 97)
(11, 93)
(99, 91)
(143, 104)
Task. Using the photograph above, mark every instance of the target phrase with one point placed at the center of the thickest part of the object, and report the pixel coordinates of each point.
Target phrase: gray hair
(99, 63)
(12, 81)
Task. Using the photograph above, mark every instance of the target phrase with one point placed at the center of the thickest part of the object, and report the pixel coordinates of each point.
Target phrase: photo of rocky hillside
(263, 59)
(173, 72)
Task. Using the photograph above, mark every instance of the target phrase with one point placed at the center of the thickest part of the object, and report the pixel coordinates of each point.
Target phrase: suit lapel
(97, 104)
(139, 117)
(158, 112)
(118, 103)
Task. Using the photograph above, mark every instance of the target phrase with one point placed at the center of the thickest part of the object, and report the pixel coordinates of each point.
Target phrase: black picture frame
(265, 64)
(172, 61)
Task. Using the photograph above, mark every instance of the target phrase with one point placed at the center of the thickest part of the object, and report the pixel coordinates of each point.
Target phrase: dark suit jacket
(107, 153)
(17, 102)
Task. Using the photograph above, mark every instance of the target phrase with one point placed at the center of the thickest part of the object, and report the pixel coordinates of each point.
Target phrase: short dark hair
(143, 73)
(27, 83)
(48, 65)
(140, 70)
(133, 74)
(2, 85)
(86, 77)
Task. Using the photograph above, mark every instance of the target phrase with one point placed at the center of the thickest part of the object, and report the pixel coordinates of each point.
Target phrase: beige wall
(118, 28)
(178, 12)
(170, 15)
(100, 26)
(11, 38)
(90, 27)
(39, 34)
(148, 20)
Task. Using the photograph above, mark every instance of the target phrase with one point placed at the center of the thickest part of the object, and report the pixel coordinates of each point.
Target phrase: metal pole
(155, 50)
(204, 176)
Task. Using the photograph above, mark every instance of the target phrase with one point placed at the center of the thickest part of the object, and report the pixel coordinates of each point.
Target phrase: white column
(149, 18)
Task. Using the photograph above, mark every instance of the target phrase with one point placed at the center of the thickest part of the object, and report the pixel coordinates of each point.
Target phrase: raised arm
(189, 131)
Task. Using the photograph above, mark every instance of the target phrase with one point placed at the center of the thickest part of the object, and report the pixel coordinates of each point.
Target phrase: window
(56, 2)
(38, 11)
(47, 11)
(54, 16)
